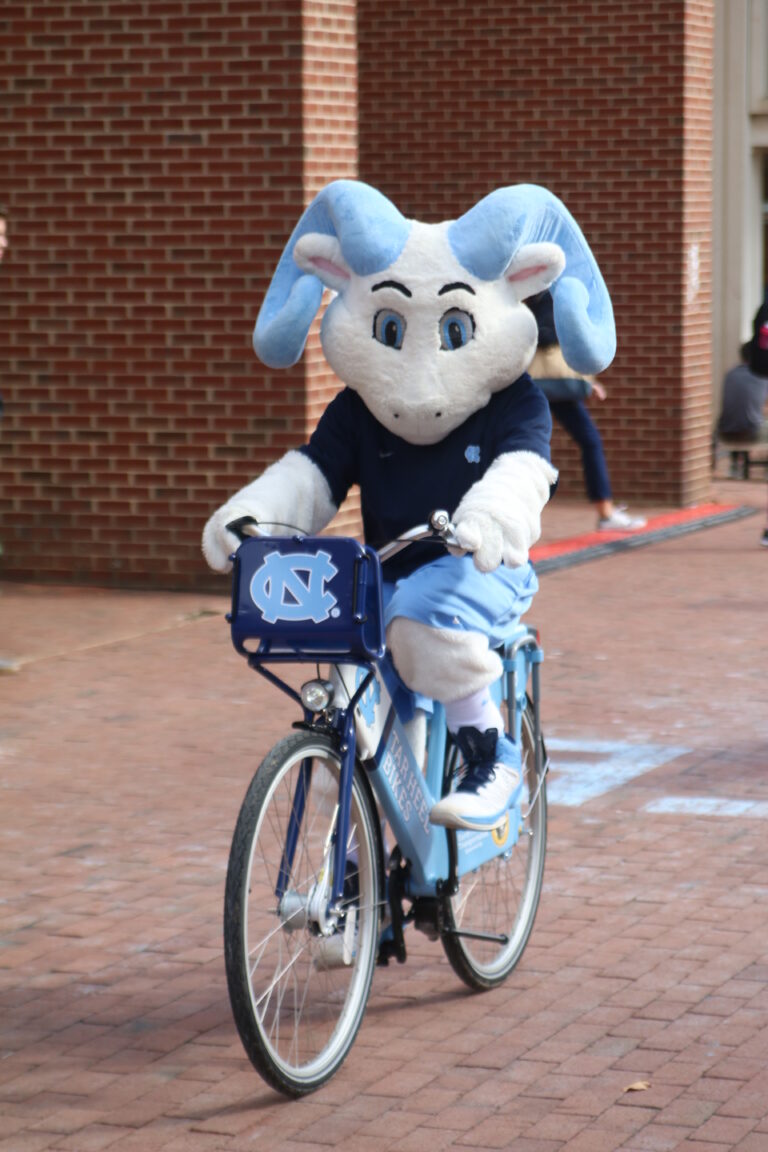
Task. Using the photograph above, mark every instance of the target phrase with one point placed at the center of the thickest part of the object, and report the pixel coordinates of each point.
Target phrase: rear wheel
(501, 897)
(298, 980)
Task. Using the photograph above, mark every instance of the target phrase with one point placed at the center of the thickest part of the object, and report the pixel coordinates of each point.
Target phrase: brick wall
(157, 156)
(589, 99)
(154, 166)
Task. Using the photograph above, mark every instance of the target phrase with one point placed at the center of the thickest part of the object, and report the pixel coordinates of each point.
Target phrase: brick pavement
(126, 742)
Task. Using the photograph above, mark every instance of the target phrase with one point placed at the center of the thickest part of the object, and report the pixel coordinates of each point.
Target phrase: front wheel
(501, 897)
(298, 979)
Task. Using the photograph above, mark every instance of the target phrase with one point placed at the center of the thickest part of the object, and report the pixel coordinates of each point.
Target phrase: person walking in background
(757, 357)
(566, 392)
(3, 249)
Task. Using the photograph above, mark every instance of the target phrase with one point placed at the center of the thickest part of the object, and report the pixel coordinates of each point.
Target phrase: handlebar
(438, 528)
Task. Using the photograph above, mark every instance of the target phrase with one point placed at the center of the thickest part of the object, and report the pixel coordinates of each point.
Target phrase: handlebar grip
(238, 528)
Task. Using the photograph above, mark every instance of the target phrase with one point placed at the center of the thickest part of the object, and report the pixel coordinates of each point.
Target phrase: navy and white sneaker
(490, 784)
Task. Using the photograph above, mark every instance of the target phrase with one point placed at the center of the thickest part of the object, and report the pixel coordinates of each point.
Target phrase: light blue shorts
(450, 593)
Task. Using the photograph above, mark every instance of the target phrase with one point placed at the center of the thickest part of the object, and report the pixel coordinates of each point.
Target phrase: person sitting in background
(566, 392)
(745, 389)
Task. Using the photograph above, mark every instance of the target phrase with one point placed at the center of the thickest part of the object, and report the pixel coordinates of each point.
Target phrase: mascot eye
(389, 328)
(457, 328)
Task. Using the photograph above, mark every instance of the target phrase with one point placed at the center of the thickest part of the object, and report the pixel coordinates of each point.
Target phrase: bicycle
(312, 898)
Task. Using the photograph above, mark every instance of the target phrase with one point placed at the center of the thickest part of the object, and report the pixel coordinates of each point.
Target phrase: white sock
(476, 711)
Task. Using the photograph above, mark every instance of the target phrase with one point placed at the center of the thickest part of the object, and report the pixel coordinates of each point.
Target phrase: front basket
(307, 598)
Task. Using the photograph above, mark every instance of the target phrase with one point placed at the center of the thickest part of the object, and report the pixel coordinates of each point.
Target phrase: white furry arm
(500, 516)
(291, 492)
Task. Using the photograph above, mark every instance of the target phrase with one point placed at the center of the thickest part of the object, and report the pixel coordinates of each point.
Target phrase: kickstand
(395, 947)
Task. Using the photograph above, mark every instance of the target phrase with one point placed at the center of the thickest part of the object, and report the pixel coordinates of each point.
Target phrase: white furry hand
(218, 543)
(499, 517)
(489, 543)
(292, 495)
(481, 536)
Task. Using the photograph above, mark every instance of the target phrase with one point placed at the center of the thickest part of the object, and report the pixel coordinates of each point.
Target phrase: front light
(316, 695)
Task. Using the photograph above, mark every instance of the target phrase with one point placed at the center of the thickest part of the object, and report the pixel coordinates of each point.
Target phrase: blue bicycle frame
(319, 599)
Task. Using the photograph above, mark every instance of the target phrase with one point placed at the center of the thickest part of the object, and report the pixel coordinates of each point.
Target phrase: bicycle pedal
(426, 917)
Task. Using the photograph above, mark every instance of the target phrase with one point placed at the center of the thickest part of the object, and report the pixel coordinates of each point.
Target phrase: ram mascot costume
(429, 332)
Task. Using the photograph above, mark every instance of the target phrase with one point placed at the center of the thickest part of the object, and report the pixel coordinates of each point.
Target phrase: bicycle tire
(502, 896)
(297, 996)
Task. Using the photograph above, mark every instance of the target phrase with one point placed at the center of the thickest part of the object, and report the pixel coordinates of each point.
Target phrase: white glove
(500, 516)
(292, 495)
(489, 543)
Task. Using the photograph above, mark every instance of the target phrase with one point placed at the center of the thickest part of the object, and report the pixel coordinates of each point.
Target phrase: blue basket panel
(307, 597)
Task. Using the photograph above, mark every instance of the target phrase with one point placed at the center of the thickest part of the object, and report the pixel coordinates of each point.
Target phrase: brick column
(697, 417)
(607, 105)
(329, 86)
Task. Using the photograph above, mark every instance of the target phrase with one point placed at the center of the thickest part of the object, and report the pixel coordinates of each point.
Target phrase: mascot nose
(424, 414)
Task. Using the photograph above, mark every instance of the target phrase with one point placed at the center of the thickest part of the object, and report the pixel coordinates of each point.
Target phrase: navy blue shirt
(402, 483)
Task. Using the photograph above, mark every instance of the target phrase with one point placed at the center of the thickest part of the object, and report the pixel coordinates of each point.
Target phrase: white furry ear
(321, 255)
(533, 268)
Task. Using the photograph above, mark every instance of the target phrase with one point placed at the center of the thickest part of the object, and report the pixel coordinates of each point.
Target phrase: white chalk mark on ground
(583, 769)
(707, 806)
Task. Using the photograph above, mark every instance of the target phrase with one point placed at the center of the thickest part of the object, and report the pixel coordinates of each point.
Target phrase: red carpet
(592, 545)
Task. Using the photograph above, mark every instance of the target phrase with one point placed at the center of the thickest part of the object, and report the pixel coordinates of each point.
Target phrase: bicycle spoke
(279, 975)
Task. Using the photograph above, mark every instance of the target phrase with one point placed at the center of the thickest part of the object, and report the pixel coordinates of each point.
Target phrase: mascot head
(428, 320)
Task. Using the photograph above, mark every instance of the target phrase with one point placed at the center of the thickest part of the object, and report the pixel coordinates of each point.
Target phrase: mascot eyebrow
(392, 284)
(453, 287)
(459, 284)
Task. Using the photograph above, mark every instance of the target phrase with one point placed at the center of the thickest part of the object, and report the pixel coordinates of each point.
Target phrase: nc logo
(292, 587)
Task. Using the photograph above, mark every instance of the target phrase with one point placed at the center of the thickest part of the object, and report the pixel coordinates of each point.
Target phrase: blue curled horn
(372, 234)
(487, 237)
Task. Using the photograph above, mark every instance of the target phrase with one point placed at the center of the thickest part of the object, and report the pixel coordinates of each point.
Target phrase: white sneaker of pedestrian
(620, 521)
